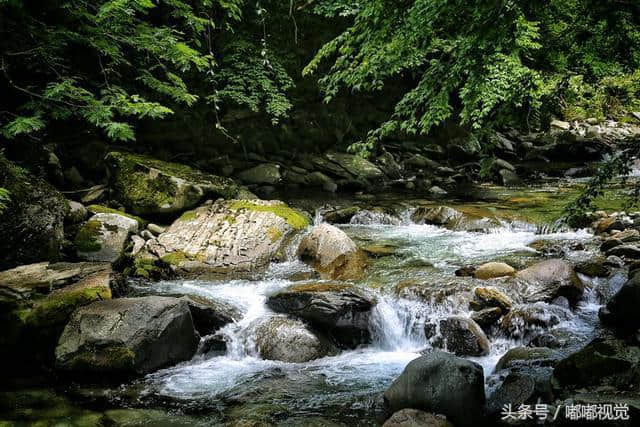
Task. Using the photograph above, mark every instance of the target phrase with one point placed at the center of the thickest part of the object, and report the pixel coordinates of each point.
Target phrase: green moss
(143, 267)
(103, 209)
(294, 218)
(58, 306)
(230, 219)
(319, 287)
(188, 216)
(274, 234)
(175, 258)
(87, 238)
(114, 357)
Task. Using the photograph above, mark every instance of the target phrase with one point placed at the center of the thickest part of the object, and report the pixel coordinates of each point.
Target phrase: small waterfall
(398, 325)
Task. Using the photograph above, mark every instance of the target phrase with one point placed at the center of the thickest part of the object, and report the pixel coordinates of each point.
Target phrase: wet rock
(519, 356)
(466, 271)
(524, 319)
(127, 336)
(380, 250)
(549, 279)
(436, 191)
(604, 361)
(374, 217)
(333, 254)
(610, 243)
(455, 293)
(493, 270)
(338, 309)
(441, 215)
(625, 251)
(341, 215)
(492, 297)
(440, 383)
(515, 390)
(622, 310)
(210, 315)
(227, 237)
(138, 244)
(487, 317)
(510, 178)
(104, 237)
(609, 223)
(614, 261)
(593, 268)
(555, 338)
(147, 186)
(266, 173)
(389, 165)
(289, 340)
(416, 418)
(628, 235)
(32, 224)
(461, 336)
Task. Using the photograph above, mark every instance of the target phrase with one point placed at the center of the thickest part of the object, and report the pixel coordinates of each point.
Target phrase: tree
(108, 63)
(483, 63)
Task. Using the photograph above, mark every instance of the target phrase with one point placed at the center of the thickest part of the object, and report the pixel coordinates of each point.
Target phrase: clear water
(347, 386)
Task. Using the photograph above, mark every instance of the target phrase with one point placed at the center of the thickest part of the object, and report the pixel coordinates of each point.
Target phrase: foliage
(483, 63)
(109, 63)
(4, 199)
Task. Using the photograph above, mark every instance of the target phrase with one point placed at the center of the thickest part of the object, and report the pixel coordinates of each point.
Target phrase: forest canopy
(483, 64)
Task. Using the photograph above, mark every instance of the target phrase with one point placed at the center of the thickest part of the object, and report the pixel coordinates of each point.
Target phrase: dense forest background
(193, 80)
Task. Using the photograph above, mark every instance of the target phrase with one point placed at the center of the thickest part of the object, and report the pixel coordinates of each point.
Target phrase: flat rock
(104, 237)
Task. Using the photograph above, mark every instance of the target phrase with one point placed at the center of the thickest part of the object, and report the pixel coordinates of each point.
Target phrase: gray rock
(622, 310)
(625, 251)
(289, 340)
(318, 179)
(549, 279)
(441, 215)
(210, 315)
(525, 319)
(339, 309)
(104, 237)
(147, 235)
(235, 236)
(486, 317)
(389, 165)
(440, 383)
(266, 173)
(94, 194)
(510, 179)
(357, 166)
(155, 229)
(127, 336)
(558, 124)
(138, 244)
(519, 356)
(593, 268)
(461, 336)
(72, 176)
(77, 213)
(332, 253)
(415, 418)
(437, 191)
(515, 390)
(603, 362)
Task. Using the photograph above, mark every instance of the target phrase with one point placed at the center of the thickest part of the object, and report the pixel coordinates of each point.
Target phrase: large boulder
(492, 297)
(440, 215)
(333, 254)
(357, 166)
(521, 356)
(290, 340)
(550, 279)
(461, 336)
(266, 173)
(209, 315)
(127, 336)
(104, 237)
(416, 418)
(622, 310)
(235, 236)
(147, 186)
(603, 362)
(32, 225)
(525, 319)
(340, 310)
(440, 383)
(37, 300)
(492, 270)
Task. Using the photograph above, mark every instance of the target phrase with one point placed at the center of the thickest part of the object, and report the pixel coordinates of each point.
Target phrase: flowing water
(238, 384)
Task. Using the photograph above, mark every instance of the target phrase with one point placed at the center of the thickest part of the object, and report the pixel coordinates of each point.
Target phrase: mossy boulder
(104, 237)
(147, 186)
(127, 336)
(32, 225)
(38, 300)
(228, 237)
